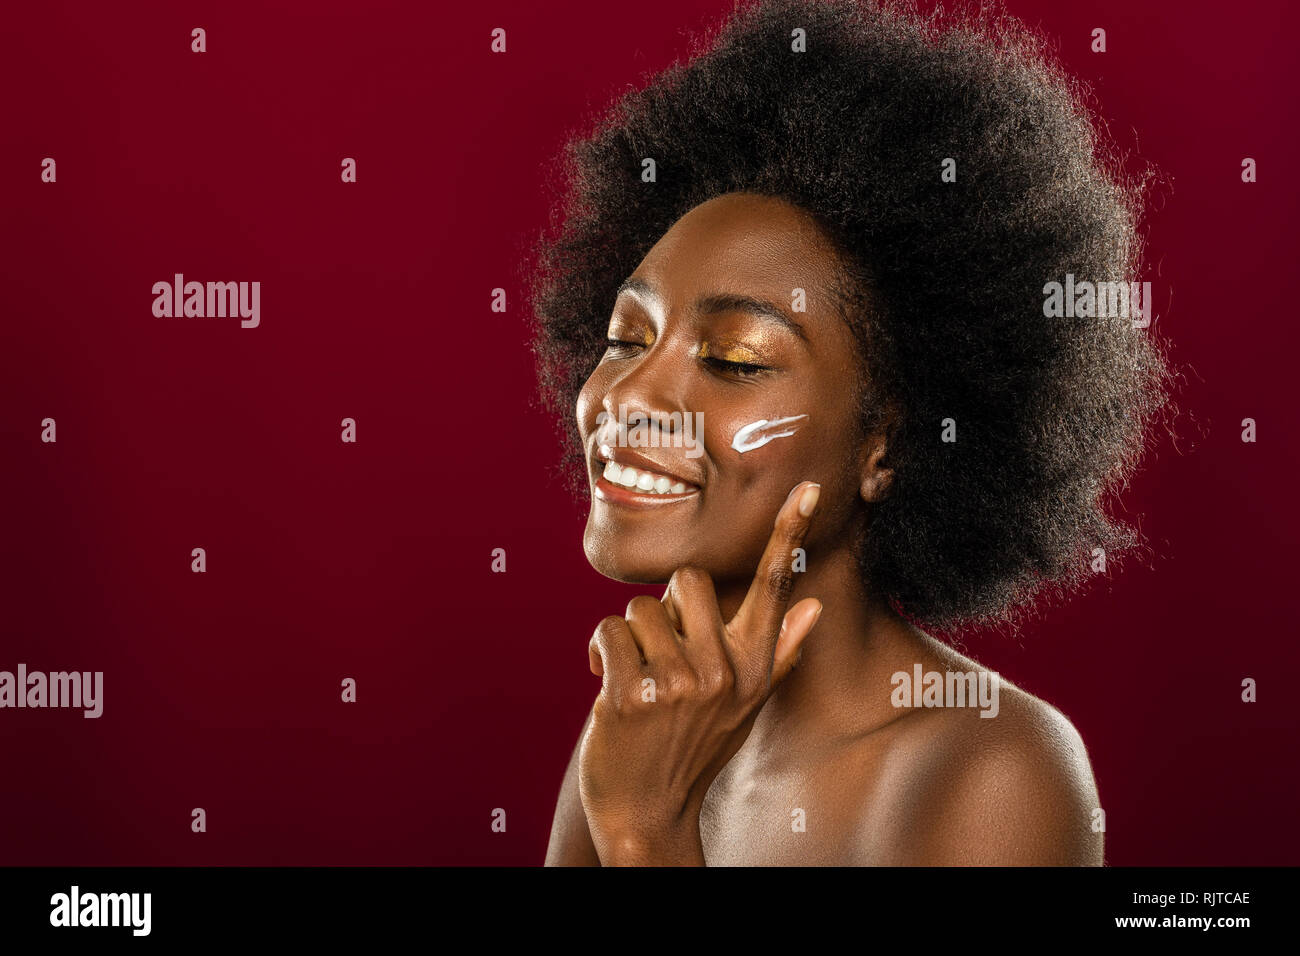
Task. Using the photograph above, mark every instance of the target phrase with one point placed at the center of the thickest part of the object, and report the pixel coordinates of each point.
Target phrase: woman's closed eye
(621, 346)
(735, 368)
(733, 360)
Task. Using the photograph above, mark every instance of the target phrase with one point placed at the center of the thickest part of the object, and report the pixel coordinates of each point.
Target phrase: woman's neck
(841, 685)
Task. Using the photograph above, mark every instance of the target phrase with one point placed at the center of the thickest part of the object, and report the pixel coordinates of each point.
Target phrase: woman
(827, 239)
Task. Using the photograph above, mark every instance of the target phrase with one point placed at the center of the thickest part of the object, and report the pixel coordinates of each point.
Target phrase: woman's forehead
(738, 243)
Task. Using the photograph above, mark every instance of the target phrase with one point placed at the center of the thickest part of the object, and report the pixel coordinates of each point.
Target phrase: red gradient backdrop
(328, 560)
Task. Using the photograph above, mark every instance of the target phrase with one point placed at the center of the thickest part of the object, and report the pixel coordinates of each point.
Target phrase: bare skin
(739, 739)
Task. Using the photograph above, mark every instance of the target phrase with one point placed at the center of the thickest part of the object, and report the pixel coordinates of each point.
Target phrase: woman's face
(687, 348)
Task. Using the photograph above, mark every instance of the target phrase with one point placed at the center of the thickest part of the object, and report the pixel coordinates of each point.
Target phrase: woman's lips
(631, 465)
(607, 490)
(643, 480)
(628, 478)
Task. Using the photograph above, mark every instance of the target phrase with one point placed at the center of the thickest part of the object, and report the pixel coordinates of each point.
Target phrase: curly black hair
(942, 283)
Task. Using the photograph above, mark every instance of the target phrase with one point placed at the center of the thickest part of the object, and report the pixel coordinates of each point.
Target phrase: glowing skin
(759, 433)
(701, 327)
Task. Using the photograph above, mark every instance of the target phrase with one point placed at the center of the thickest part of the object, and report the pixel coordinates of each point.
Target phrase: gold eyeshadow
(740, 354)
(631, 333)
(737, 353)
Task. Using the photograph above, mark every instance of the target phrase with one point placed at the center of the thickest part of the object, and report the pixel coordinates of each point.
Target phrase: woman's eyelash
(612, 345)
(734, 368)
(737, 368)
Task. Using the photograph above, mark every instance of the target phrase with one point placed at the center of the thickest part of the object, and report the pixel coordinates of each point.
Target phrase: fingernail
(809, 500)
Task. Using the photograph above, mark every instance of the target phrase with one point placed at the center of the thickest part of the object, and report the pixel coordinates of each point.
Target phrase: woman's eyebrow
(715, 302)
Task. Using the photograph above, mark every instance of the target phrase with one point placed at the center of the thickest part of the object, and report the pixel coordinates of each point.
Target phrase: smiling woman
(893, 437)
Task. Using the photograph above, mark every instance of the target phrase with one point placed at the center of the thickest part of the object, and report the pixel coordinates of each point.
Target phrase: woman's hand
(681, 689)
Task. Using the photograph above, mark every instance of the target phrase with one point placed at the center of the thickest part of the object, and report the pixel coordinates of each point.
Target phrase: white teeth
(644, 481)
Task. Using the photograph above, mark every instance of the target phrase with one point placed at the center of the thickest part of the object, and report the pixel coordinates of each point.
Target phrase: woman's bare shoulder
(982, 772)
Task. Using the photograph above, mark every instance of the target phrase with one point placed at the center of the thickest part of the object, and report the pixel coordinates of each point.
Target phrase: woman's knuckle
(682, 684)
(780, 581)
(636, 605)
(692, 578)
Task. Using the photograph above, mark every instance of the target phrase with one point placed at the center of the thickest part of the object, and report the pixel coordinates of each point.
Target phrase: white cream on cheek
(759, 433)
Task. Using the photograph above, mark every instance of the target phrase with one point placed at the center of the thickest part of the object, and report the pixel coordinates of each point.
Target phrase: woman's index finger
(757, 623)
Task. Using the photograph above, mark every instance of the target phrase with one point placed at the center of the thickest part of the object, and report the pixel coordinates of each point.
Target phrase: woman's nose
(652, 389)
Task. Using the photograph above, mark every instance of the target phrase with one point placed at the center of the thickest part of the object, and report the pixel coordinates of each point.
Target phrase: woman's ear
(876, 476)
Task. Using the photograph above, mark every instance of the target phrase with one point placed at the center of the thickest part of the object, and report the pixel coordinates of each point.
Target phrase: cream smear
(759, 433)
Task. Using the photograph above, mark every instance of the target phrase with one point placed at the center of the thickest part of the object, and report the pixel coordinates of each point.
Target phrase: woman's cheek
(763, 455)
(746, 442)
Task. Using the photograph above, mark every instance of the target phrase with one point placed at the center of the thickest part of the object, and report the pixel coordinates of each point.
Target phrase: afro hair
(942, 282)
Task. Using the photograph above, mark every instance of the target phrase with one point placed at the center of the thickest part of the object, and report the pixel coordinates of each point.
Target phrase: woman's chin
(615, 563)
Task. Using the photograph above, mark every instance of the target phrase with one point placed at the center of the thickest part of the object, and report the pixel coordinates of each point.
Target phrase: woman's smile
(624, 477)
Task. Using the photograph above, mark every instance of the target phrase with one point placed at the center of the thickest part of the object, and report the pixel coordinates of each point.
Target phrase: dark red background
(372, 560)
